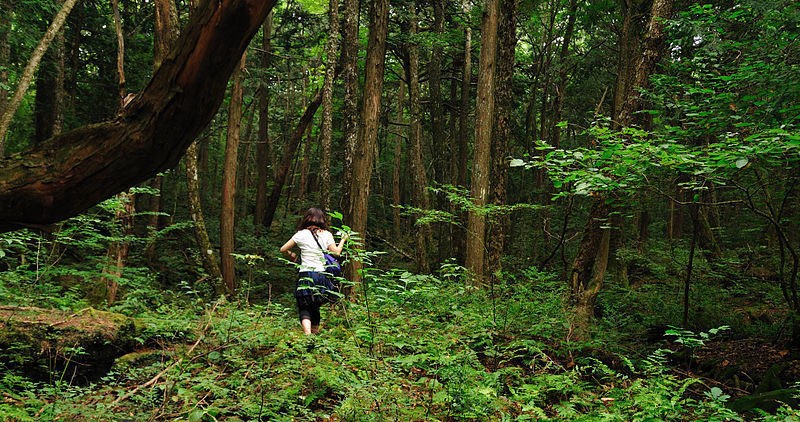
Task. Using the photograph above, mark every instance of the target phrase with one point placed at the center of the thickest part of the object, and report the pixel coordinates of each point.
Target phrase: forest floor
(401, 352)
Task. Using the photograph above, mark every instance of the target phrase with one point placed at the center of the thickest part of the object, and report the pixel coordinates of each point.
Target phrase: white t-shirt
(311, 258)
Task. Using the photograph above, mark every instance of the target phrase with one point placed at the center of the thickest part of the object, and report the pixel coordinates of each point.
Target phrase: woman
(312, 237)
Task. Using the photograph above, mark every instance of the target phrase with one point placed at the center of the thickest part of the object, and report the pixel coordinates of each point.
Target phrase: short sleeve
(296, 237)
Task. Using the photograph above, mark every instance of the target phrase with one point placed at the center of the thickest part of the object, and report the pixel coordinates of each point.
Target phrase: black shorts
(308, 309)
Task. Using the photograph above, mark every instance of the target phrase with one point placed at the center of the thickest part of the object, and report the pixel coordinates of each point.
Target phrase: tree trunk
(588, 269)
(165, 34)
(264, 157)
(302, 188)
(396, 162)
(209, 260)
(243, 185)
(49, 111)
(502, 135)
(419, 180)
(326, 135)
(227, 205)
(440, 144)
(361, 170)
(73, 171)
(563, 77)
(27, 74)
(6, 9)
(350, 126)
(288, 154)
(462, 140)
(484, 116)
(117, 252)
(585, 279)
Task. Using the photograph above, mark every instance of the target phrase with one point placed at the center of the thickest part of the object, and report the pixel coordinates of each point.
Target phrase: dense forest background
(561, 209)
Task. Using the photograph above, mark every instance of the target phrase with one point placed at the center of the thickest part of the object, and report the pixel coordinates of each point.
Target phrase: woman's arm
(337, 249)
(286, 249)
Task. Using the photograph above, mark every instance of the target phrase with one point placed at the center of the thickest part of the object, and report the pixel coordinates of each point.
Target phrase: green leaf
(741, 162)
(516, 163)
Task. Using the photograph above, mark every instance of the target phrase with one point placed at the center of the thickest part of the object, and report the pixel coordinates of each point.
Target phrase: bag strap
(315, 239)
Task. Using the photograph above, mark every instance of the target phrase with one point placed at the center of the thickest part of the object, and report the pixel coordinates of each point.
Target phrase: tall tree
(591, 261)
(25, 79)
(326, 135)
(462, 140)
(264, 157)
(484, 120)
(397, 159)
(117, 252)
(361, 171)
(350, 127)
(165, 34)
(284, 167)
(73, 171)
(228, 206)
(419, 180)
(207, 255)
(502, 130)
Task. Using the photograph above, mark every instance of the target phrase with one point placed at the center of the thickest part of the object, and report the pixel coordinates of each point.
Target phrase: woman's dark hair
(314, 219)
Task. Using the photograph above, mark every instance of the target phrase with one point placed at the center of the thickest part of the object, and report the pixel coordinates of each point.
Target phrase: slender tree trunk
(563, 76)
(27, 74)
(243, 185)
(350, 126)
(117, 252)
(304, 163)
(6, 8)
(484, 120)
(361, 170)
(326, 135)
(50, 95)
(264, 158)
(440, 145)
(209, 259)
(397, 160)
(165, 34)
(288, 154)
(419, 179)
(462, 147)
(504, 100)
(584, 279)
(588, 268)
(227, 206)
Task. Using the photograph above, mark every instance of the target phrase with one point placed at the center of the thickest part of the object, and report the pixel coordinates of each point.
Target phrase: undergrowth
(428, 349)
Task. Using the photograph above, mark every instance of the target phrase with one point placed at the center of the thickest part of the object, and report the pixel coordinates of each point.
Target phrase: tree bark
(164, 36)
(504, 100)
(396, 162)
(563, 77)
(462, 140)
(484, 120)
(288, 154)
(588, 269)
(326, 135)
(264, 157)
(209, 259)
(27, 74)
(350, 126)
(419, 178)
(361, 170)
(439, 144)
(73, 171)
(117, 252)
(228, 205)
